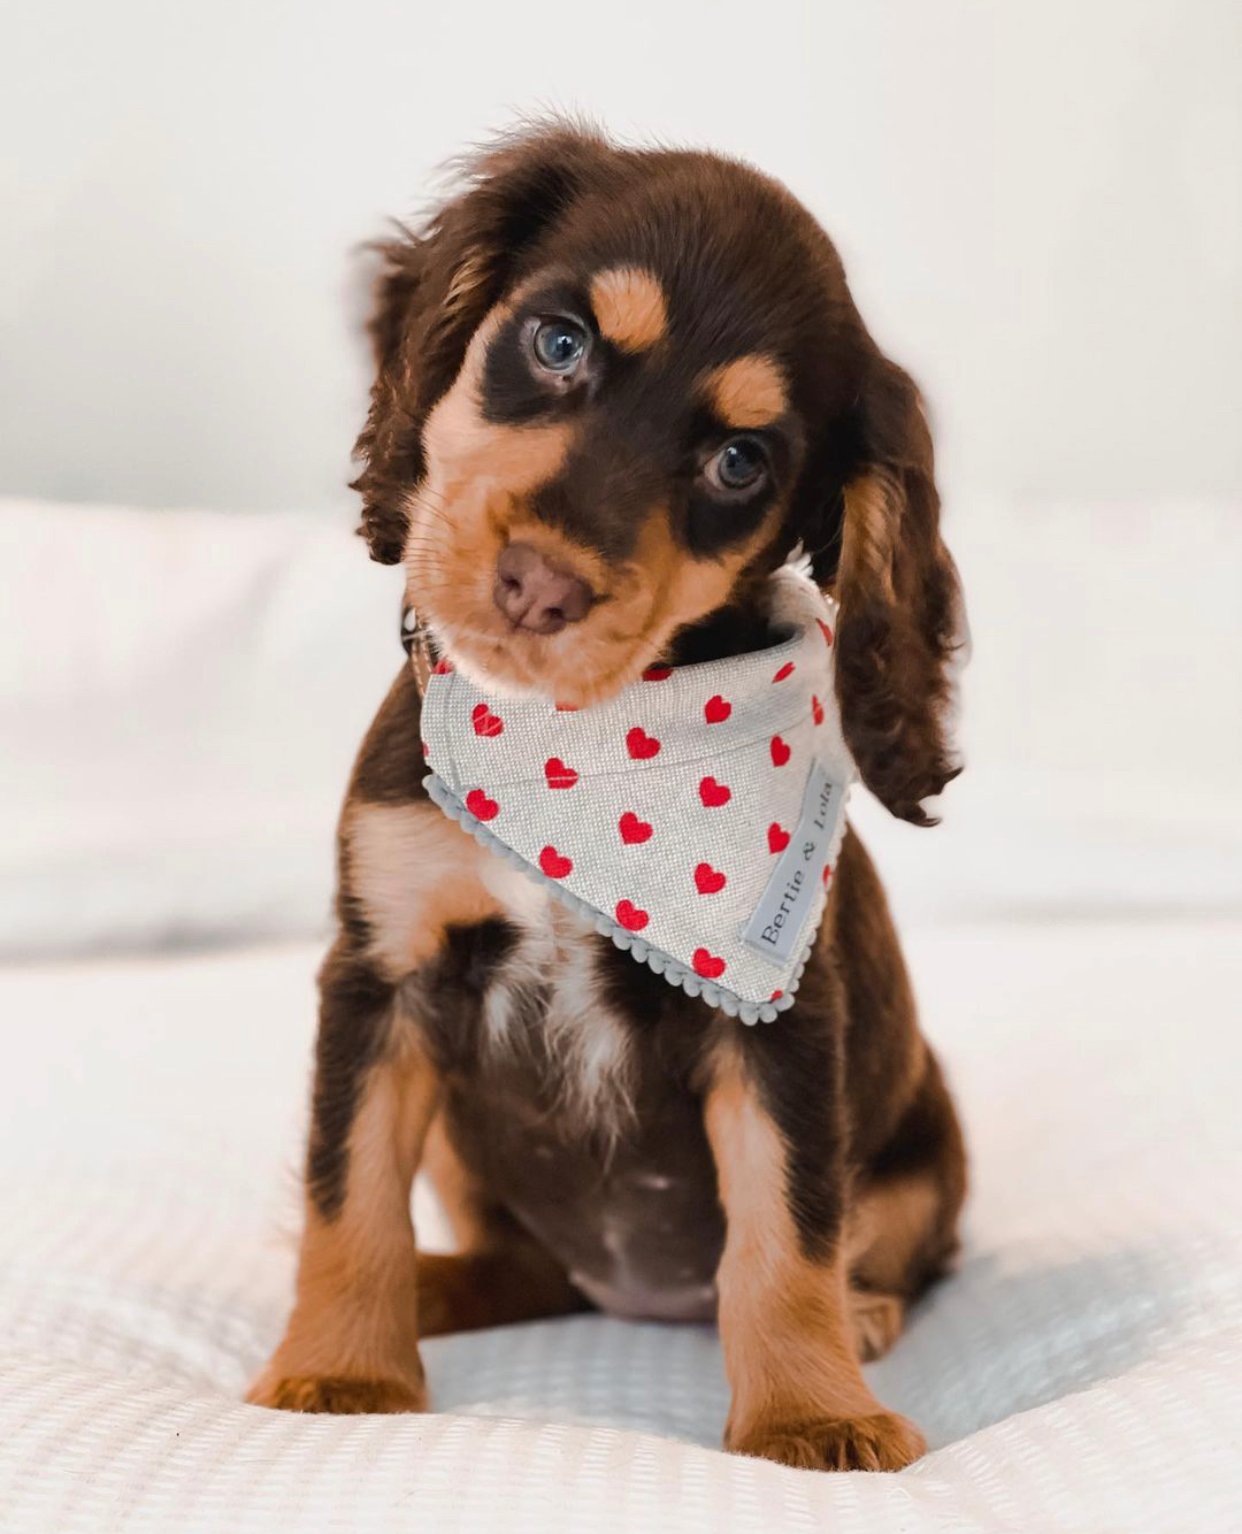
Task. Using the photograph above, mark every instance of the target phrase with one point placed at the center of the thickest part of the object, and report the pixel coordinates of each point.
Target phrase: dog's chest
(583, 1121)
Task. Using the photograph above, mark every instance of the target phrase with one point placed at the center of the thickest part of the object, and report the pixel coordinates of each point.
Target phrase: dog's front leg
(775, 1128)
(351, 1344)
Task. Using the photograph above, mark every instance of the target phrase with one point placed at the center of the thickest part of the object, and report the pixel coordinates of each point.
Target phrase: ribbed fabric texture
(1082, 1371)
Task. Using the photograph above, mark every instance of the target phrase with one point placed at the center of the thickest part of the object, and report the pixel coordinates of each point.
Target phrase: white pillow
(1101, 718)
(181, 695)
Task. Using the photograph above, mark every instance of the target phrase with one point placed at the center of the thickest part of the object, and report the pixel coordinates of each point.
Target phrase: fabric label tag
(794, 887)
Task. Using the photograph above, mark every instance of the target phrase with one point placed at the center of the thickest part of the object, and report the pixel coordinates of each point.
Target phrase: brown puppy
(616, 391)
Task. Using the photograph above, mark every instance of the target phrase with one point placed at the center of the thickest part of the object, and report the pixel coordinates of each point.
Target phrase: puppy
(616, 392)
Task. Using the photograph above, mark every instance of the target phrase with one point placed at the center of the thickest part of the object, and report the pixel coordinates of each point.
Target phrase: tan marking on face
(352, 1340)
(665, 590)
(629, 308)
(748, 392)
(477, 479)
(785, 1319)
(660, 591)
(463, 448)
(414, 873)
(474, 500)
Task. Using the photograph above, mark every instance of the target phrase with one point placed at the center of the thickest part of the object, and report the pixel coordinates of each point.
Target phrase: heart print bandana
(695, 818)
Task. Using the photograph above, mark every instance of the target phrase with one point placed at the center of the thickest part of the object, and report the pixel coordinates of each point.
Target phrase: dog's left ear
(900, 617)
(433, 289)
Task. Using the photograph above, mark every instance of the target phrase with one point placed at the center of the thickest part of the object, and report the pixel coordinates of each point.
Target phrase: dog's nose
(537, 595)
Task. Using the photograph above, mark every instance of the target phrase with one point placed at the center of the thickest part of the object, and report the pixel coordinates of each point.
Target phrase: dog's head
(616, 389)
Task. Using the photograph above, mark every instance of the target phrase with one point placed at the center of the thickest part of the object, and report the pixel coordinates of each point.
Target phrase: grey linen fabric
(694, 818)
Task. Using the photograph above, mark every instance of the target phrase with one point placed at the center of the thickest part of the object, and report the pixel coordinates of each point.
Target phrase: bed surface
(1083, 1370)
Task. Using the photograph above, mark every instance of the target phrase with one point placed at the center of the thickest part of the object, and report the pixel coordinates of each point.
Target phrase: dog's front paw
(881, 1441)
(335, 1393)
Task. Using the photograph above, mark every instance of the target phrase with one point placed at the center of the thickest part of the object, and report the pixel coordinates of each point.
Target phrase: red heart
(780, 751)
(776, 995)
(824, 630)
(632, 829)
(714, 794)
(709, 880)
(554, 865)
(786, 670)
(630, 916)
(558, 774)
(485, 722)
(716, 710)
(426, 751)
(441, 668)
(640, 745)
(817, 710)
(657, 673)
(567, 708)
(480, 806)
(707, 964)
(778, 837)
(827, 874)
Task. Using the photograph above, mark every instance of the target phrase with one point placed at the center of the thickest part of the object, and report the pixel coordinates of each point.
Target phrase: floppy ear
(900, 612)
(434, 289)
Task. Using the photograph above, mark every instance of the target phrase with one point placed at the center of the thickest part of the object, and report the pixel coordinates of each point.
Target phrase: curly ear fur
(434, 288)
(900, 605)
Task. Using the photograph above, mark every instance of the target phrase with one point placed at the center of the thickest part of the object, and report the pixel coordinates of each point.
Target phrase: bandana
(694, 818)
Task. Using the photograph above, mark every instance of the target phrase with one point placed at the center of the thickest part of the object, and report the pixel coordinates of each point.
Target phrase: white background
(1040, 205)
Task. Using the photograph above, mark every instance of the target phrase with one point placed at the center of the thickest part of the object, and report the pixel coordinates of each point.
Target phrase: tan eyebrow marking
(629, 307)
(750, 391)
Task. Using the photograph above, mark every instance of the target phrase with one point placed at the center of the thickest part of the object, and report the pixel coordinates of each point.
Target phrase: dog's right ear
(434, 289)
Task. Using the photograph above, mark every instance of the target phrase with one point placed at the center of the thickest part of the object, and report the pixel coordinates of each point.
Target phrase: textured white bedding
(1083, 1371)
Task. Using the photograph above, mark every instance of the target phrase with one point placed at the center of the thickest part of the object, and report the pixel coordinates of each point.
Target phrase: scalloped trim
(659, 962)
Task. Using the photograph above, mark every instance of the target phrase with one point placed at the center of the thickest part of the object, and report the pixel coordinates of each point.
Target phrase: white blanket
(1083, 1371)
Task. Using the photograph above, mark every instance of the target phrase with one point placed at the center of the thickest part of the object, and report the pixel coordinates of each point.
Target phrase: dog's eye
(559, 345)
(739, 465)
